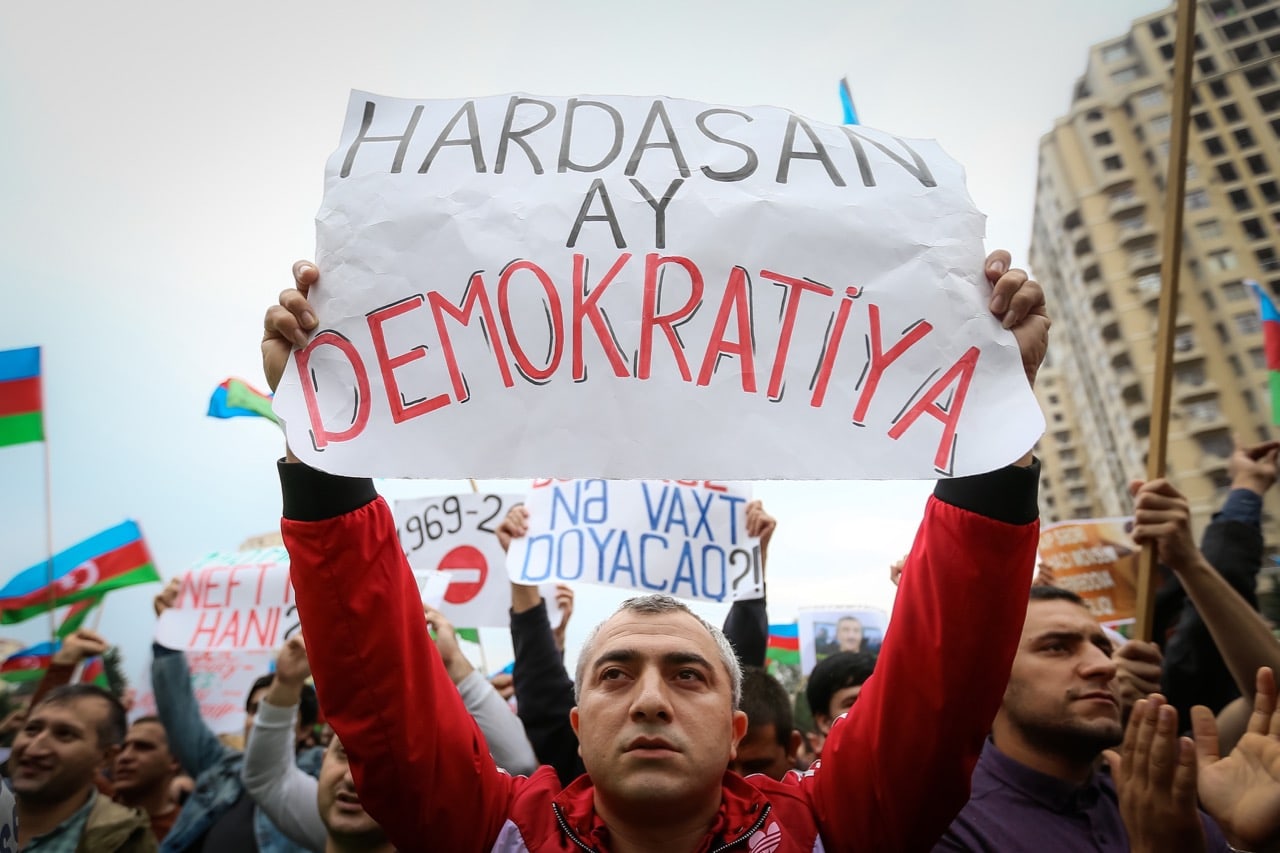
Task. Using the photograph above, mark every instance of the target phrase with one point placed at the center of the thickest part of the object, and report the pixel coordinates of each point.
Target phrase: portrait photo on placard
(825, 630)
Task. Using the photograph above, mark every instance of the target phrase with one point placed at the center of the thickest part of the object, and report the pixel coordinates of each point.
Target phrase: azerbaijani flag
(28, 664)
(846, 101)
(21, 419)
(76, 614)
(115, 558)
(1271, 344)
(235, 398)
(783, 647)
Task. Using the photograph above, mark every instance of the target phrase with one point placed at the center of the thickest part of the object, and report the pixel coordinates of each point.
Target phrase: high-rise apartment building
(1096, 247)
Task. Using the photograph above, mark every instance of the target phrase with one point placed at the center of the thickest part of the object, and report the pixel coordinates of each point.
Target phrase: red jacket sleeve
(419, 762)
(895, 771)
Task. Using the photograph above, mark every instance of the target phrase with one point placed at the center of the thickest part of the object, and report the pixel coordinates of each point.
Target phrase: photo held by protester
(635, 457)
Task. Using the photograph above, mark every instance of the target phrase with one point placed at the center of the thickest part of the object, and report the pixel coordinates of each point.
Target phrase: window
(1115, 52)
(1149, 283)
(1223, 335)
(1258, 358)
(1266, 258)
(1244, 138)
(1197, 200)
(1257, 164)
(1209, 229)
(1227, 172)
(1218, 88)
(1269, 191)
(1151, 97)
(1236, 367)
(1204, 410)
(1202, 121)
(1235, 30)
(1113, 163)
(1124, 75)
(1222, 260)
(1134, 222)
(1259, 77)
(1121, 196)
(1184, 341)
(1247, 53)
(1248, 323)
(1234, 291)
(1160, 124)
(1166, 51)
(1072, 221)
(1214, 146)
(1158, 29)
(1218, 444)
(1230, 113)
(1102, 138)
(1253, 229)
(1207, 65)
(1191, 375)
(1240, 199)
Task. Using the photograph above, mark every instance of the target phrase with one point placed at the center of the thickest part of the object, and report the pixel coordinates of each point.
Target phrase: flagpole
(1170, 267)
(48, 538)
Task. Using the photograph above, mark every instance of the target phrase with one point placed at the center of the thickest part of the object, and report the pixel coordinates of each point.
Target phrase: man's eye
(689, 675)
(611, 674)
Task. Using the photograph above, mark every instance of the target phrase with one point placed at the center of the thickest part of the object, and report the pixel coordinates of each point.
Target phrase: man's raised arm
(896, 770)
(419, 761)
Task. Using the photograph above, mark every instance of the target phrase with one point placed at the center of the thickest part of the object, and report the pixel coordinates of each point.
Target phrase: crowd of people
(997, 713)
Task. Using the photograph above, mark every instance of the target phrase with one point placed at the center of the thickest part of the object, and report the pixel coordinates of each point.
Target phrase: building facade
(1096, 248)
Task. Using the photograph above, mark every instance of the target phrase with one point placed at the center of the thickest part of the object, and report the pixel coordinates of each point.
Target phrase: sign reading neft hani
(519, 286)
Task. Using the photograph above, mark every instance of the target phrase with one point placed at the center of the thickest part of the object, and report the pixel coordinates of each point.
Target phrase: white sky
(161, 164)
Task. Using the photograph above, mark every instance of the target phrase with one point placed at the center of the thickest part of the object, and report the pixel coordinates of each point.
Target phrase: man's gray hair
(654, 605)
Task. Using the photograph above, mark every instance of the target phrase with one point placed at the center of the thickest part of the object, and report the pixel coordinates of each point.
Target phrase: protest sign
(237, 601)
(686, 538)
(647, 287)
(455, 535)
(220, 681)
(826, 630)
(1097, 559)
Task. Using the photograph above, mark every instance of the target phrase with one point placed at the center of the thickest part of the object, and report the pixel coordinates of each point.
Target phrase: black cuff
(159, 651)
(1009, 494)
(311, 495)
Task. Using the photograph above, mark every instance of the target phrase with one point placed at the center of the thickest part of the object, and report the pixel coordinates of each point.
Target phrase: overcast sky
(161, 165)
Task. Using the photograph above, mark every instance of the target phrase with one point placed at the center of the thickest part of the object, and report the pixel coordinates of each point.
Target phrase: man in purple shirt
(1037, 785)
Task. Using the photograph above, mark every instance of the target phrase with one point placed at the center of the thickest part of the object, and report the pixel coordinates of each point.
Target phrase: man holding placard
(657, 687)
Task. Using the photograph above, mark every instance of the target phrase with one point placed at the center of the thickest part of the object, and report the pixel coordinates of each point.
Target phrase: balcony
(1124, 203)
(1131, 238)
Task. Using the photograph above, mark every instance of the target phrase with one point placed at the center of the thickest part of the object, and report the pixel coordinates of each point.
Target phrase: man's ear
(573, 721)
(793, 745)
(739, 732)
(109, 757)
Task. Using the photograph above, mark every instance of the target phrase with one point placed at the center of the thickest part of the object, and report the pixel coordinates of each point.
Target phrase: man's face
(57, 752)
(1062, 694)
(655, 720)
(841, 701)
(849, 635)
(145, 762)
(336, 798)
(760, 752)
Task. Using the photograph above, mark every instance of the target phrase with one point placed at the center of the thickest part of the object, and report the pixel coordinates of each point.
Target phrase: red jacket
(895, 769)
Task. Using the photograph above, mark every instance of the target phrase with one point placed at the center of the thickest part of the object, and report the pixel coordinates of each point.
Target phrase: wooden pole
(48, 538)
(1170, 266)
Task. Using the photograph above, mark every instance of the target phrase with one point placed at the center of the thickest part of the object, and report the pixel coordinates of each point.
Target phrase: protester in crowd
(288, 796)
(67, 740)
(218, 815)
(544, 691)
(834, 685)
(1037, 784)
(1194, 671)
(1239, 639)
(771, 742)
(348, 827)
(657, 687)
(564, 604)
(144, 772)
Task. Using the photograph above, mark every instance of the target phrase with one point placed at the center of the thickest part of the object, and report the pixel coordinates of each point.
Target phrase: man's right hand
(287, 323)
(292, 666)
(514, 526)
(1253, 467)
(167, 597)
(80, 645)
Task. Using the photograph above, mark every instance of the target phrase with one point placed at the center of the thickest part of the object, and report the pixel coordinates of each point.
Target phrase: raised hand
(1242, 790)
(1155, 776)
(80, 645)
(287, 323)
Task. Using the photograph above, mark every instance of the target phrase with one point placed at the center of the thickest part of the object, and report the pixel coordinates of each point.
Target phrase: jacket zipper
(564, 826)
(764, 814)
(567, 831)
